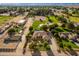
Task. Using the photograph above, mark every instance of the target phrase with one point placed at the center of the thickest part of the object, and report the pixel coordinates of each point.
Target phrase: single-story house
(21, 21)
(68, 35)
(76, 24)
(41, 18)
(41, 34)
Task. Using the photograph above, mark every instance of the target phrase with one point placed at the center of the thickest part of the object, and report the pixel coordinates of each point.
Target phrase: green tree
(11, 31)
(45, 27)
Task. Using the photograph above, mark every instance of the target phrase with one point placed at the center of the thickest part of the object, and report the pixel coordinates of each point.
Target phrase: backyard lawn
(37, 23)
(3, 19)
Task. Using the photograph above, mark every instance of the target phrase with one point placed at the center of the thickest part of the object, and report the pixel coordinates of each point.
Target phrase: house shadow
(36, 53)
(24, 51)
(24, 48)
(65, 52)
(72, 52)
(50, 53)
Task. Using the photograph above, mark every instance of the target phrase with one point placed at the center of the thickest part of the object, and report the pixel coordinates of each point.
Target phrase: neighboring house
(4, 14)
(14, 13)
(41, 18)
(5, 27)
(22, 21)
(41, 34)
(75, 38)
(76, 24)
(68, 35)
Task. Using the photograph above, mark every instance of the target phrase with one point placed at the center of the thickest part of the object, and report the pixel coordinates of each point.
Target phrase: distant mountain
(39, 4)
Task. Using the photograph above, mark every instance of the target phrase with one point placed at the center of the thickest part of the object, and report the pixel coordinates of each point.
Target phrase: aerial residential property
(50, 29)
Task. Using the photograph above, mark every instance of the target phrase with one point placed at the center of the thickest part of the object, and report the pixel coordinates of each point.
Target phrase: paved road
(19, 50)
(54, 48)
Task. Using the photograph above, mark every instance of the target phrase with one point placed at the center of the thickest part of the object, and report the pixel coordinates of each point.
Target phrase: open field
(74, 19)
(72, 6)
(4, 19)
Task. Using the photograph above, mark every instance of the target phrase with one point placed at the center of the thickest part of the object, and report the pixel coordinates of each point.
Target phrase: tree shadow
(36, 53)
(72, 52)
(50, 53)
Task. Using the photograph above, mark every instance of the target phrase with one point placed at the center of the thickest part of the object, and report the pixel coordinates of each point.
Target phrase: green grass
(17, 29)
(74, 19)
(66, 44)
(60, 29)
(37, 23)
(53, 19)
(3, 19)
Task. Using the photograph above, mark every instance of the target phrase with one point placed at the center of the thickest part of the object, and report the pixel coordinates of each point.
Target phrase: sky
(39, 1)
(39, 4)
